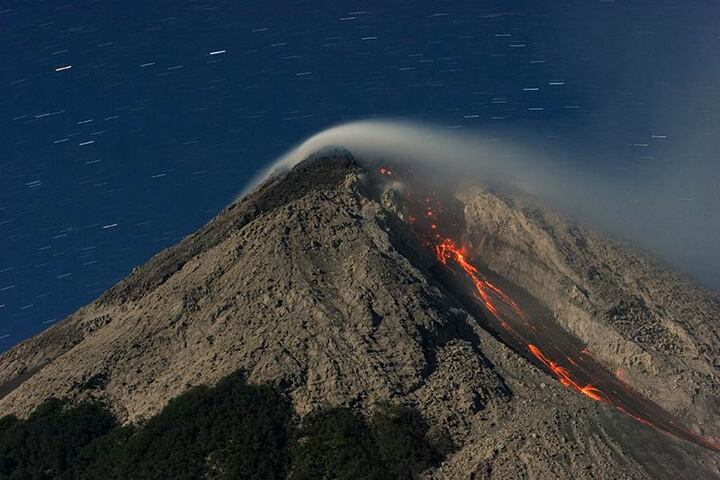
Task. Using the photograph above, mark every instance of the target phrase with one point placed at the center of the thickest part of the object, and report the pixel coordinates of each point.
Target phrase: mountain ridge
(314, 282)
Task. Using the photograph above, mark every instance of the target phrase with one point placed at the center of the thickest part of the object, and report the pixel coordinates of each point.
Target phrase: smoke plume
(657, 213)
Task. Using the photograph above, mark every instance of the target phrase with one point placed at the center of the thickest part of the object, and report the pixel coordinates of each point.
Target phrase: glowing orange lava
(493, 298)
(566, 378)
(556, 350)
(498, 304)
(447, 250)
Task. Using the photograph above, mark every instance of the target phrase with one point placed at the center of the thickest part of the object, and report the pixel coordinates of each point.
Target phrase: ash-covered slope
(657, 327)
(315, 283)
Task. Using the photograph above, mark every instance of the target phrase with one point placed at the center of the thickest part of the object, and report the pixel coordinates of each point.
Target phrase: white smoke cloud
(655, 213)
(454, 155)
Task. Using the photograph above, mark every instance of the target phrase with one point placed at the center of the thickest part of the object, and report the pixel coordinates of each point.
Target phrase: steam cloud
(655, 213)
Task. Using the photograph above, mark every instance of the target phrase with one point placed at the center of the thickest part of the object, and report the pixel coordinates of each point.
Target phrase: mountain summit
(540, 348)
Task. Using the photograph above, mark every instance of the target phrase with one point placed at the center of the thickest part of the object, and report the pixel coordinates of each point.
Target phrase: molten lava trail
(555, 350)
(550, 346)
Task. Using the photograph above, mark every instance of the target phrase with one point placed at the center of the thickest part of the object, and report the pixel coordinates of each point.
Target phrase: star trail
(124, 128)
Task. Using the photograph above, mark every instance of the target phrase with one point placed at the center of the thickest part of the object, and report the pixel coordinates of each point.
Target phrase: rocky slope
(656, 326)
(313, 283)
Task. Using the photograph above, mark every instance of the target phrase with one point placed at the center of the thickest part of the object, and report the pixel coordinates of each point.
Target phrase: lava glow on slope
(492, 297)
(550, 346)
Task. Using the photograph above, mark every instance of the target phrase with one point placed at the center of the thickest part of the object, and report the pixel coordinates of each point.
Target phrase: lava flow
(560, 353)
(488, 293)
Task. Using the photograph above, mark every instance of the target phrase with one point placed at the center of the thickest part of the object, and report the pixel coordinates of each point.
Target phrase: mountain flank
(316, 283)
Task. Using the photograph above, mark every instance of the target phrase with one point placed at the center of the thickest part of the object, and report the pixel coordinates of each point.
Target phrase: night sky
(125, 126)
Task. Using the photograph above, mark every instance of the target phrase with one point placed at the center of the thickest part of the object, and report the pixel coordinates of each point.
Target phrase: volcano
(541, 348)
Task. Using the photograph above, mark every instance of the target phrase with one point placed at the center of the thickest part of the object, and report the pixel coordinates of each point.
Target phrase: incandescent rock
(312, 283)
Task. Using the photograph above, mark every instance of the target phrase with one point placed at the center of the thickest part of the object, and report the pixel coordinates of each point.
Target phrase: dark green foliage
(104, 457)
(401, 436)
(230, 431)
(336, 444)
(339, 444)
(47, 443)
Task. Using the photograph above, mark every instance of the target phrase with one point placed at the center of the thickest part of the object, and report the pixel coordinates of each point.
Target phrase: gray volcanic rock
(313, 283)
(658, 327)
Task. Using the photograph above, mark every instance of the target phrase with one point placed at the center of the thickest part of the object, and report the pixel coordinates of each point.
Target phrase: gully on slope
(543, 342)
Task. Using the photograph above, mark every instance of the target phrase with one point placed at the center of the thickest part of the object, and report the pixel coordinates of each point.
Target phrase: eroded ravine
(539, 339)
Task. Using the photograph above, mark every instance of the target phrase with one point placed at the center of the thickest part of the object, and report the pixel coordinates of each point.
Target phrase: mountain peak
(325, 282)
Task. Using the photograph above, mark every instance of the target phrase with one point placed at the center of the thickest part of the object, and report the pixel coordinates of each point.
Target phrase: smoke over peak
(657, 213)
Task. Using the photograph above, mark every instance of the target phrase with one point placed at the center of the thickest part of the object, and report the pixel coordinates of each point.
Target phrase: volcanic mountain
(541, 348)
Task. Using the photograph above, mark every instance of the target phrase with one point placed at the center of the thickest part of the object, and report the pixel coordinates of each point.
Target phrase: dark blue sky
(126, 126)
